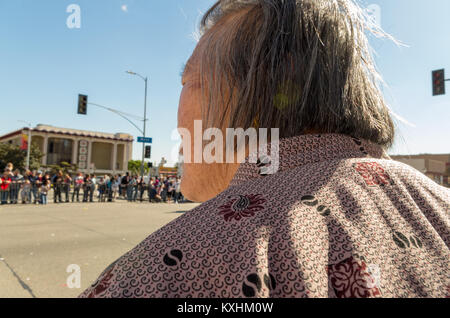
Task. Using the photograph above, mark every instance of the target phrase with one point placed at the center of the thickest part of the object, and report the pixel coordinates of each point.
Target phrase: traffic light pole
(83, 101)
(123, 115)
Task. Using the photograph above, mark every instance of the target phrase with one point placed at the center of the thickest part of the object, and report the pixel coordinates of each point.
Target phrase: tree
(134, 166)
(65, 167)
(18, 157)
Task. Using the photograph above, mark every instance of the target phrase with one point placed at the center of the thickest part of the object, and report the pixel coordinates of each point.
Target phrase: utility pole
(145, 117)
(27, 164)
(28, 148)
(145, 121)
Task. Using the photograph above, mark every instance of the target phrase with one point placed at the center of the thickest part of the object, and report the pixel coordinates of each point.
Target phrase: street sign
(146, 140)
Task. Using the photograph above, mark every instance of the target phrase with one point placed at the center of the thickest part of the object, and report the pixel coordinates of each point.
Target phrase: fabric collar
(301, 150)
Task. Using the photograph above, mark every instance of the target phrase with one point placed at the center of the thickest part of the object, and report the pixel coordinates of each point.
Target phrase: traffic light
(438, 82)
(148, 152)
(82, 104)
(150, 164)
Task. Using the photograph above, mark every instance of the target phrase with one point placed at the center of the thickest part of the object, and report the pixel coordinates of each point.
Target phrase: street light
(28, 143)
(145, 117)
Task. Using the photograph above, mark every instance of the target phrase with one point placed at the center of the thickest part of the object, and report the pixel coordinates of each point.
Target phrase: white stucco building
(90, 151)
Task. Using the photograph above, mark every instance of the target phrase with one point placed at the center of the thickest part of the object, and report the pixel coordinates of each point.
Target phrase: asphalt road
(39, 243)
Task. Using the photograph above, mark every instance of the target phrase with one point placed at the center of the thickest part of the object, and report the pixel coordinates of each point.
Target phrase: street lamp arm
(123, 115)
(118, 111)
(137, 74)
(143, 78)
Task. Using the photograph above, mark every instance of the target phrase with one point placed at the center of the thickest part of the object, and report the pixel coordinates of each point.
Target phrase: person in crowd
(26, 191)
(124, 183)
(87, 193)
(44, 189)
(93, 187)
(109, 187)
(159, 192)
(101, 184)
(67, 181)
(321, 211)
(152, 191)
(48, 179)
(5, 183)
(35, 180)
(27, 176)
(172, 187)
(141, 188)
(57, 182)
(116, 187)
(78, 182)
(177, 195)
(158, 196)
(10, 168)
(164, 189)
(119, 180)
(42, 176)
(130, 188)
(169, 190)
(16, 183)
(135, 188)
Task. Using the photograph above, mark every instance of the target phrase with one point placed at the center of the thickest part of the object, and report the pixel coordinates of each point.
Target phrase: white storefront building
(92, 152)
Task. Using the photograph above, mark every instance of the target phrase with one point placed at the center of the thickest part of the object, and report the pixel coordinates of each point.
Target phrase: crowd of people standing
(33, 187)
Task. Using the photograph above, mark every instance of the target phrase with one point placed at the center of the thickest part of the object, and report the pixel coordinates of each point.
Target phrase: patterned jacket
(338, 219)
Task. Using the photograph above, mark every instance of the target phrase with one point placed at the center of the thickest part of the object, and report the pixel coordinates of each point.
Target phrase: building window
(59, 150)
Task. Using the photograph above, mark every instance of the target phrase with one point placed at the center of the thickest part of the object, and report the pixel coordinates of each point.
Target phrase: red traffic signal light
(438, 78)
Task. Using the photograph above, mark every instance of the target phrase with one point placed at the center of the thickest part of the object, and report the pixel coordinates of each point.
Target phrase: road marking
(21, 282)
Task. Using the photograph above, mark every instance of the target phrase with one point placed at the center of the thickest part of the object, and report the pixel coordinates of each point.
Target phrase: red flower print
(373, 173)
(242, 206)
(351, 279)
(101, 285)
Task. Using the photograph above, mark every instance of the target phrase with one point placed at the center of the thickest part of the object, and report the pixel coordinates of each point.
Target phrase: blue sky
(44, 65)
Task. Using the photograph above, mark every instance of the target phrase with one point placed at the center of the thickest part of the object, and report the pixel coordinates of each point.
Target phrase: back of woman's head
(296, 65)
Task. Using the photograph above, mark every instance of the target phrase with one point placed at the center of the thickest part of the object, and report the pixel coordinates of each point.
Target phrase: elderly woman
(337, 218)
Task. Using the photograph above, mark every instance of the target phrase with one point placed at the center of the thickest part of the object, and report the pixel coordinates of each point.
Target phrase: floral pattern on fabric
(351, 279)
(242, 206)
(372, 173)
(102, 285)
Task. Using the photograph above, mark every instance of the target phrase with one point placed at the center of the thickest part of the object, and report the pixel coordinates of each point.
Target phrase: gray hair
(297, 65)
